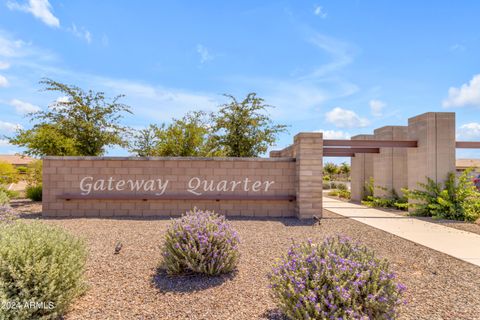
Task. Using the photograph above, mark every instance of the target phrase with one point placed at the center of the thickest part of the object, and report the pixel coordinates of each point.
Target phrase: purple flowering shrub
(200, 242)
(335, 280)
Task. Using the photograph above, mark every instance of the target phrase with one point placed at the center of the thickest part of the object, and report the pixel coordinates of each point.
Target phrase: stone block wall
(362, 169)
(390, 165)
(243, 179)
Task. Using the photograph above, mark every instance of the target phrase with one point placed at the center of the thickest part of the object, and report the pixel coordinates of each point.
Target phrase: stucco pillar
(435, 155)
(362, 169)
(390, 165)
(309, 174)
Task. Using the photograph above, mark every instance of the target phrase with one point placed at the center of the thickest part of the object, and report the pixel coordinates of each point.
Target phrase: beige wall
(390, 165)
(300, 177)
(435, 155)
(362, 169)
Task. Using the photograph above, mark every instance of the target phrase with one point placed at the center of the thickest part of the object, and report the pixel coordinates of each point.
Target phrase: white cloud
(469, 131)
(4, 65)
(318, 11)
(23, 107)
(7, 126)
(81, 33)
(376, 107)
(467, 94)
(4, 143)
(40, 9)
(3, 81)
(335, 134)
(205, 56)
(343, 118)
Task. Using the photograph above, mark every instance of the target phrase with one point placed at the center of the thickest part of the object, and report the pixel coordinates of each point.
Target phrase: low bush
(12, 194)
(344, 194)
(34, 193)
(334, 280)
(200, 242)
(41, 270)
(4, 198)
(455, 199)
(342, 186)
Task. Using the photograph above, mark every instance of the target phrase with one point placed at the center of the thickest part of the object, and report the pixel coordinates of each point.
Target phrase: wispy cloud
(81, 33)
(467, 95)
(376, 107)
(343, 118)
(205, 55)
(22, 107)
(3, 81)
(40, 9)
(4, 65)
(319, 11)
(8, 126)
(469, 131)
(458, 47)
(341, 54)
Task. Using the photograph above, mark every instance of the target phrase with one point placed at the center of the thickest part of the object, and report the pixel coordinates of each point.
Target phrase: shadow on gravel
(274, 314)
(188, 283)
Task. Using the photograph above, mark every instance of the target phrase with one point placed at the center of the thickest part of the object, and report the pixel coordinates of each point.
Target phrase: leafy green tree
(344, 169)
(243, 128)
(84, 123)
(145, 142)
(189, 136)
(330, 168)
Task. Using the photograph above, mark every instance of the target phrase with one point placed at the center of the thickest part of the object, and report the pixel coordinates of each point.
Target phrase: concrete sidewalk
(456, 243)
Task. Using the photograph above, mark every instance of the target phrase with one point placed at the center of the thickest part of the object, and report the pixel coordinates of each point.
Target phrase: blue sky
(344, 67)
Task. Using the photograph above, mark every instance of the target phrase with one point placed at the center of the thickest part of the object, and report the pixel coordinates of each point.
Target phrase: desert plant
(456, 198)
(8, 173)
(200, 242)
(4, 198)
(42, 268)
(341, 186)
(34, 193)
(334, 280)
(34, 173)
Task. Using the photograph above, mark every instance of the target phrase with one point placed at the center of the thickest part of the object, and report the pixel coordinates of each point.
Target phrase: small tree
(330, 168)
(243, 129)
(84, 123)
(344, 169)
(189, 136)
(145, 142)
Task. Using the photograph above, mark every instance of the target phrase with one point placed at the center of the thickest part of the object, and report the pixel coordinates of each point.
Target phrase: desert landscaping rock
(129, 285)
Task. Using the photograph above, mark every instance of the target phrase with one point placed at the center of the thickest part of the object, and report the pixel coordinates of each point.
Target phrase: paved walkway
(456, 243)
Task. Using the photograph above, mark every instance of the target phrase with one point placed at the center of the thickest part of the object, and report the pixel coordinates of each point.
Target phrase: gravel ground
(128, 286)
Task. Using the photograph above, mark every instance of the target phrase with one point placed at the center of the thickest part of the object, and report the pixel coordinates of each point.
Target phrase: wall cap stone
(282, 159)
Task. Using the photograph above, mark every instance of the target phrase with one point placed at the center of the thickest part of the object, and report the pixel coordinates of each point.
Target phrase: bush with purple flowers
(200, 242)
(337, 279)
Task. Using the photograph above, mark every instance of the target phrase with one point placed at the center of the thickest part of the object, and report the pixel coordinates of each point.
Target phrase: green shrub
(41, 267)
(34, 173)
(334, 280)
(456, 198)
(4, 198)
(344, 194)
(12, 194)
(342, 186)
(22, 170)
(200, 242)
(34, 193)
